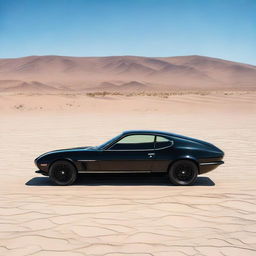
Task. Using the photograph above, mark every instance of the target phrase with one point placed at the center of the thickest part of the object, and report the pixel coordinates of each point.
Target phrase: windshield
(108, 142)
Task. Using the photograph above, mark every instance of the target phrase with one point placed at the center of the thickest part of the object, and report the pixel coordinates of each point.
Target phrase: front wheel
(63, 173)
(183, 172)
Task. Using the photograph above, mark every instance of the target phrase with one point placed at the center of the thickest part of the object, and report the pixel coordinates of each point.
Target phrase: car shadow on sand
(110, 179)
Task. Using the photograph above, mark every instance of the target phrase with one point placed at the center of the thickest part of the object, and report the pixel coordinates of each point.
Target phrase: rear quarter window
(163, 142)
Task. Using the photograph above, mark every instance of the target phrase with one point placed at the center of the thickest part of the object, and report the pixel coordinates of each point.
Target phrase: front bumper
(205, 167)
(42, 166)
(42, 172)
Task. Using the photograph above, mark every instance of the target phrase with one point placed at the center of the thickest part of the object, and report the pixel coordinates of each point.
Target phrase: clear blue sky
(217, 28)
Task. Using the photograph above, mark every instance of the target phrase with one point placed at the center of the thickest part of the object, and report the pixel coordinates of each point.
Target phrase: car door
(132, 153)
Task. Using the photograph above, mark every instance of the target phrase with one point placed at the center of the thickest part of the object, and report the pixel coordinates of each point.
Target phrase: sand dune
(161, 74)
(132, 86)
(31, 87)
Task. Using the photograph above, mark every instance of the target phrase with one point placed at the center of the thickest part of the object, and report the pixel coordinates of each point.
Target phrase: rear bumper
(205, 167)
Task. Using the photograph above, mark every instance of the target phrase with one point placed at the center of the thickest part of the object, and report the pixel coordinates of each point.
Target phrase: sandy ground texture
(127, 214)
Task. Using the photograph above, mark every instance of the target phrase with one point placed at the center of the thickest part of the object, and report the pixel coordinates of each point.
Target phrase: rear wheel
(63, 173)
(183, 172)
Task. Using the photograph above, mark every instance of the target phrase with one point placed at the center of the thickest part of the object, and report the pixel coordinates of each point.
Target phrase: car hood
(70, 149)
(64, 151)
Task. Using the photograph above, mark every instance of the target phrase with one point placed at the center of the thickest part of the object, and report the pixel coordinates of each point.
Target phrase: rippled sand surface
(130, 214)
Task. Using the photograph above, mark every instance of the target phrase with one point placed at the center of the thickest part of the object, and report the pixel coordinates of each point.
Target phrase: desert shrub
(20, 106)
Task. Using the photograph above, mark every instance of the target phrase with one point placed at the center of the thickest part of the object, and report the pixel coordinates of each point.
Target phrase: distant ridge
(130, 73)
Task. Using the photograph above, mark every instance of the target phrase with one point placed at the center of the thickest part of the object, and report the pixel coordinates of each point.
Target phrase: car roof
(155, 132)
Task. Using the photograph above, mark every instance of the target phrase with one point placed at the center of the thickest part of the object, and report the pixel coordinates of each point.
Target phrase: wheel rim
(62, 173)
(184, 173)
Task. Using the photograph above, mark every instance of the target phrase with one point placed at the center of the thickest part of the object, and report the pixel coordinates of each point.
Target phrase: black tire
(183, 173)
(63, 173)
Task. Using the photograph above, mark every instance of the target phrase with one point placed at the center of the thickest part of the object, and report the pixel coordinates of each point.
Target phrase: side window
(135, 142)
(162, 142)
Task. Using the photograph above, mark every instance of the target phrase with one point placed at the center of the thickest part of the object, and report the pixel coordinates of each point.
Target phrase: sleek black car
(182, 158)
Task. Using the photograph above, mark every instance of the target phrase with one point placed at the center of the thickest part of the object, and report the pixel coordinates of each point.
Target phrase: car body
(136, 151)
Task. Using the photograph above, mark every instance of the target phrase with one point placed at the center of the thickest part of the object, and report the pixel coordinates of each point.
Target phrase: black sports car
(182, 158)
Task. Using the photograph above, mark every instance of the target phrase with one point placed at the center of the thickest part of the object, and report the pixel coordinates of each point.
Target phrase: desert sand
(126, 214)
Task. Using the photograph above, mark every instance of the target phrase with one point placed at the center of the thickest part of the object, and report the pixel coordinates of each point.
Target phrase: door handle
(151, 154)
